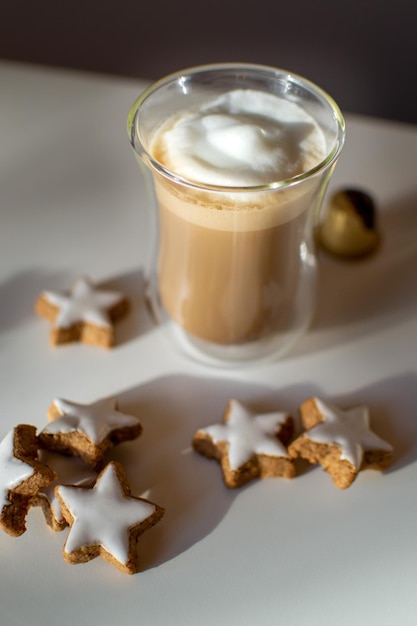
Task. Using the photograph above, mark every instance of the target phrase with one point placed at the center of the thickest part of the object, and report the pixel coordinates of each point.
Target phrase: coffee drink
(233, 239)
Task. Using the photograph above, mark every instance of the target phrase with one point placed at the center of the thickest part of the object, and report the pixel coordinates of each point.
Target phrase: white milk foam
(243, 138)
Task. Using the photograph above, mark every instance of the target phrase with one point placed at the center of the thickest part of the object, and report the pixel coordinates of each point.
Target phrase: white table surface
(275, 552)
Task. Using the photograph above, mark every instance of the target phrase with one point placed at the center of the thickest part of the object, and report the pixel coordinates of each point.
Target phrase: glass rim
(324, 164)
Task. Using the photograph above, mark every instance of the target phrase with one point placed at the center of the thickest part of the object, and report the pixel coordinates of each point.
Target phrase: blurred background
(361, 51)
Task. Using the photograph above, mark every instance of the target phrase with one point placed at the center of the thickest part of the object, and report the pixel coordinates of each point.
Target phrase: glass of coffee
(238, 158)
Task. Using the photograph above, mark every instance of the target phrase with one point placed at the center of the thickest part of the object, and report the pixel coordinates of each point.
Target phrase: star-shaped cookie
(87, 430)
(85, 313)
(21, 477)
(340, 440)
(248, 445)
(106, 520)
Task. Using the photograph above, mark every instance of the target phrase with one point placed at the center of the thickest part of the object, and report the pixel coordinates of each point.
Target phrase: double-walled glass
(233, 274)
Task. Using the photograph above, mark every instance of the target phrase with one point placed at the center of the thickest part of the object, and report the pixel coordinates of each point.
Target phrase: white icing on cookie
(13, 471)
(349, 429)
(84, 303)
(247, 434)
(96, 420)
(103, 515)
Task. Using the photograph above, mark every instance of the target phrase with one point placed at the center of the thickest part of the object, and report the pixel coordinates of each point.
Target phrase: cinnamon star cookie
(341, 441)
(88, 430)
(106, 520)
(248, 445)
(85, 313)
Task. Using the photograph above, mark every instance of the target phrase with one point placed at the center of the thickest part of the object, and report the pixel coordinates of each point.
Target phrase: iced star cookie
(340, 441)
(248, 445)
(21, 477)
(87, 430)
(85, 313)
(106, 520)
(69, 470)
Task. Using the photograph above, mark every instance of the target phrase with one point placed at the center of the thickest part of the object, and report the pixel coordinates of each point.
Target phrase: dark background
(362, 52)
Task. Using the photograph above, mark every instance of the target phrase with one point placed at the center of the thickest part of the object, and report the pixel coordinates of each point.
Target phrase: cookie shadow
(18, 295)
(162, 466)
(138, 321)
